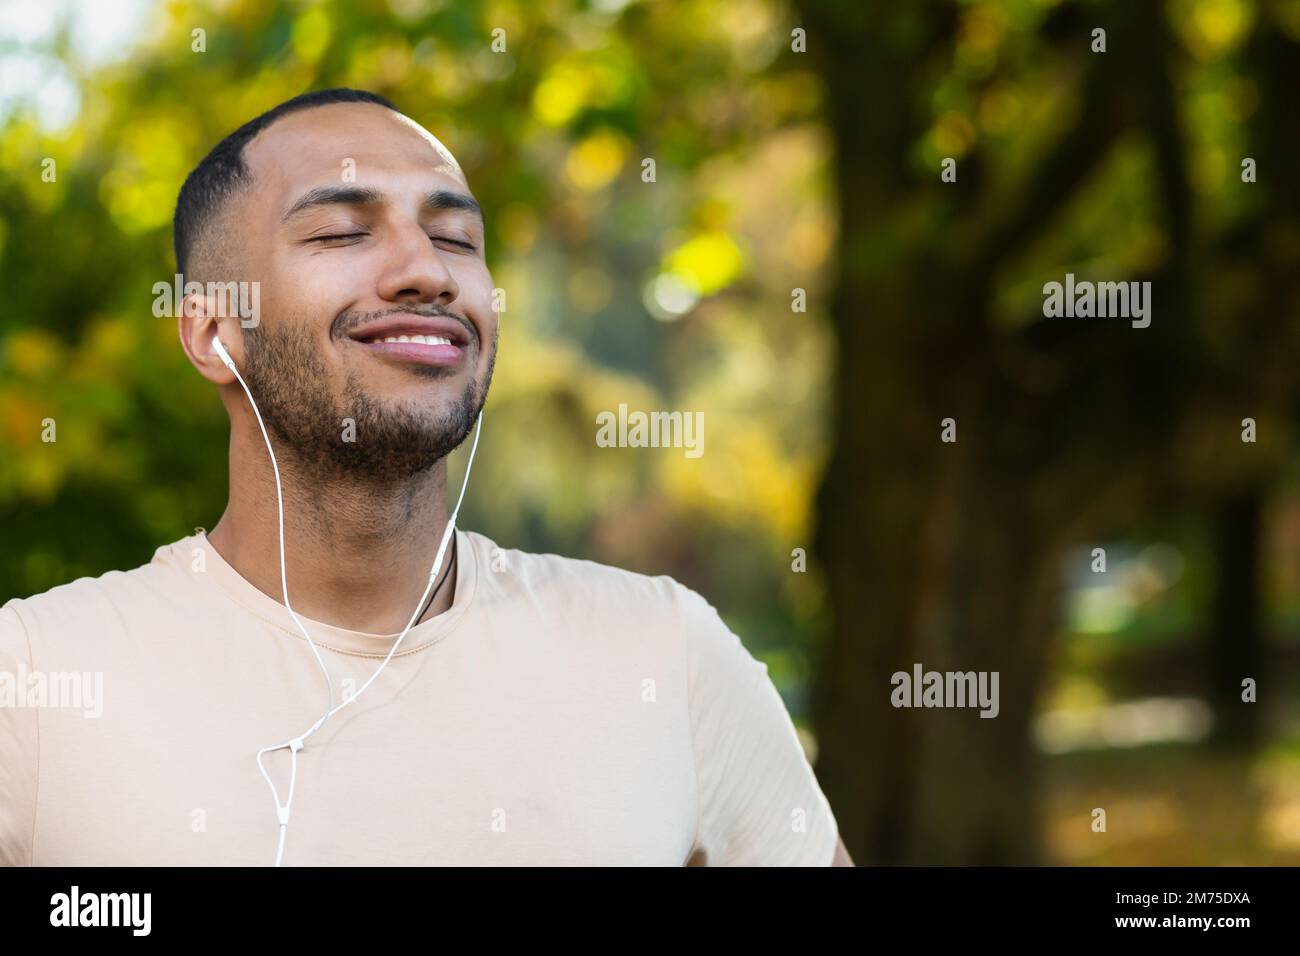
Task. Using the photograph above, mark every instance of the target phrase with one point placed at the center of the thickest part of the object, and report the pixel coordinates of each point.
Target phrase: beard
(389, 442)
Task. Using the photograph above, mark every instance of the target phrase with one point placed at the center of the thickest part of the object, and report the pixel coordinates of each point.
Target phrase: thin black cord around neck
(450, 564)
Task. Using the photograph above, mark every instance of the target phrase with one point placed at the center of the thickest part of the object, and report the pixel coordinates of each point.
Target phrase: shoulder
(89, 605)
(579, 585)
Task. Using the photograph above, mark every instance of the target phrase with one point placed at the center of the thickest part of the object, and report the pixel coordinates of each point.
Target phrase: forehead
(312, 148)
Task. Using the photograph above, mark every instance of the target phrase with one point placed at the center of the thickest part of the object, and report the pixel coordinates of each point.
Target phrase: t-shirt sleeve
(759, 801)
(17, 744)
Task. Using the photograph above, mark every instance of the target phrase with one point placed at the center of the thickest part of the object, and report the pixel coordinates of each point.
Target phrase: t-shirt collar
(213, 570)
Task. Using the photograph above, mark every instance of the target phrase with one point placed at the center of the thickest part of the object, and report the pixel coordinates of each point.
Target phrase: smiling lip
(438, 340)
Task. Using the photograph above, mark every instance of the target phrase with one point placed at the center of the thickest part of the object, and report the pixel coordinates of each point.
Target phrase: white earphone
(296, 744)
(220, 349)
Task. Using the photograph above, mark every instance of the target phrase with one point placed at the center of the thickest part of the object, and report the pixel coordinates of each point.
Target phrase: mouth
(424, 340)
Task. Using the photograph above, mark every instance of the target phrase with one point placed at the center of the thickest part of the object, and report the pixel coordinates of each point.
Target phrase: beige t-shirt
(561, 712)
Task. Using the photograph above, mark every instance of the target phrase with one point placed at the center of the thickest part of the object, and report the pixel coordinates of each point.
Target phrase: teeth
(418, 339)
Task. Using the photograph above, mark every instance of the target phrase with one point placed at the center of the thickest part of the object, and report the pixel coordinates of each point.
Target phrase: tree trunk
(1235, 651)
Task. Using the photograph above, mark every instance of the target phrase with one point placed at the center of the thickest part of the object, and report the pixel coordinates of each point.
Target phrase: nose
(415, 270)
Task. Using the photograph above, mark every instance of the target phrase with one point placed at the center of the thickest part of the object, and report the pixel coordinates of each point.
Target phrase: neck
(357, 552)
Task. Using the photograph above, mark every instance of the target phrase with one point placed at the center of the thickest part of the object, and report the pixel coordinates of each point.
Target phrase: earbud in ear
(222, 353)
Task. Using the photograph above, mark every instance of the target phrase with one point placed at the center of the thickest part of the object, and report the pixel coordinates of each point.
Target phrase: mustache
(345, 322)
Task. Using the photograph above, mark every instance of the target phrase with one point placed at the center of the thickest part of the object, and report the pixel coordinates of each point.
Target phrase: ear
(197, 324)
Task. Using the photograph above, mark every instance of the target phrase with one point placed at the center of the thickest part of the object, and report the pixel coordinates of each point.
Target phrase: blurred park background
(785, 161)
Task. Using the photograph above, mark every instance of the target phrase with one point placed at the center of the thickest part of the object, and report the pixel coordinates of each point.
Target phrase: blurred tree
(1236, 625)
(947, 554)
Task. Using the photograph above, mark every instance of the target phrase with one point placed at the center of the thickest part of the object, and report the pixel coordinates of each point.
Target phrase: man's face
(357, 228)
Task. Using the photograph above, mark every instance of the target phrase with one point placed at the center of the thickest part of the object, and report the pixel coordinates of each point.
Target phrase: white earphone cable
(296, 744)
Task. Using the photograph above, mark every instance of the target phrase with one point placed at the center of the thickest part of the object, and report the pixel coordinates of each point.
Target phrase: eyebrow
(365, 196)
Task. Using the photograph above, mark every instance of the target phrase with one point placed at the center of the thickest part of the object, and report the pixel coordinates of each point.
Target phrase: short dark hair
(223, 171)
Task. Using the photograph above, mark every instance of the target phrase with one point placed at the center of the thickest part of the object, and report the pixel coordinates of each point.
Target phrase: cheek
(310, 291)
(475, 285)
(319, 279)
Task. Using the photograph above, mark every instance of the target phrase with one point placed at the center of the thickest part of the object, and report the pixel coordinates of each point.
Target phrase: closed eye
(350, 235)
(455, 242)
(361, 235)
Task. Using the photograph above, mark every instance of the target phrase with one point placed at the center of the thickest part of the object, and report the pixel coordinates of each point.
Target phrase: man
(541, 710)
